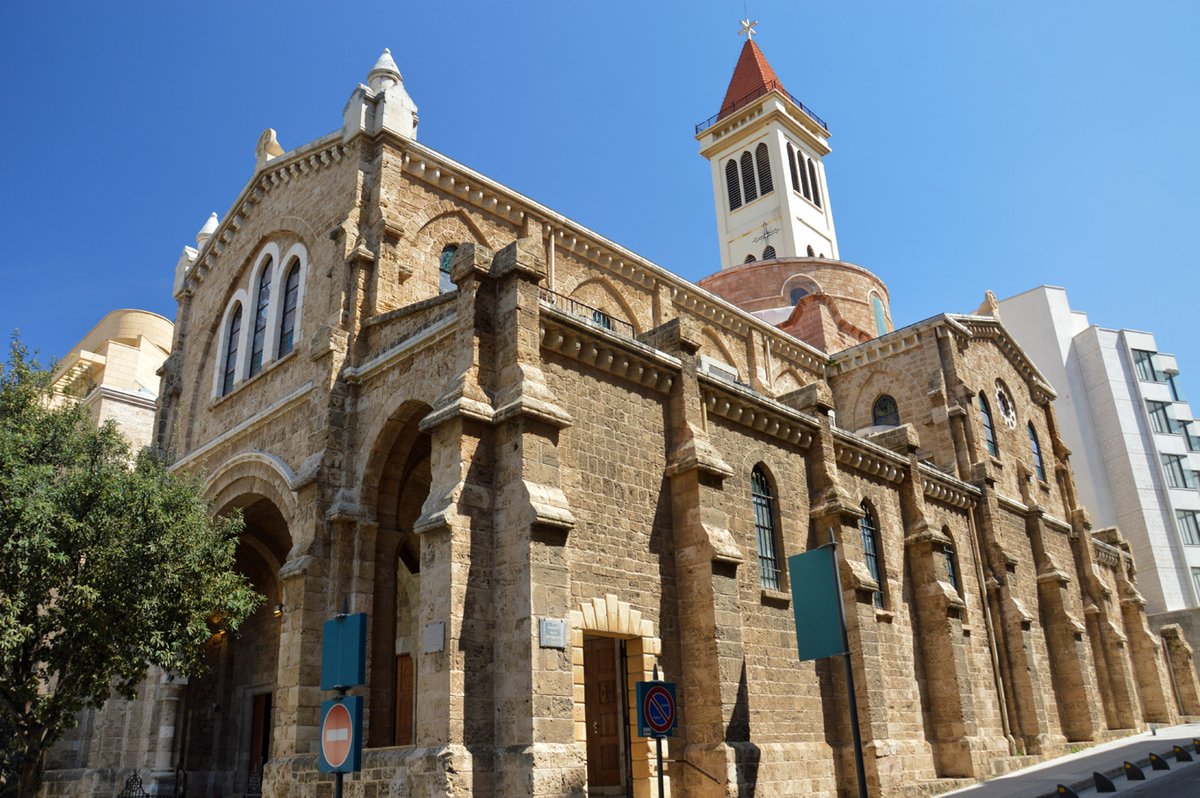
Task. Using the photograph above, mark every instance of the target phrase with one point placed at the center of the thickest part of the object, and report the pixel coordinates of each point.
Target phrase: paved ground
(1075, 770)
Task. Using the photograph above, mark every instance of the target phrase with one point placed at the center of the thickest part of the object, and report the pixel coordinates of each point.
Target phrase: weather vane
(766, 234)
(748, 28)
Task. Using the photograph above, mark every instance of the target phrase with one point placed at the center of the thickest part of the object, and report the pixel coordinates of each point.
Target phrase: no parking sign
(657, 716)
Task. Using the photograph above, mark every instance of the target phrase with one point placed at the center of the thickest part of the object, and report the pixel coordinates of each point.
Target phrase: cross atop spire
(748, 29)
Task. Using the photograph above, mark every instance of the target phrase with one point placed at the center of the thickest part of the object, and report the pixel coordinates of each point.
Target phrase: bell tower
(766, 150)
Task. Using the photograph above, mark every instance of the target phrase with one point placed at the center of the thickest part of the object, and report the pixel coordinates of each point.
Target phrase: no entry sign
(341, 735)
(656, 709)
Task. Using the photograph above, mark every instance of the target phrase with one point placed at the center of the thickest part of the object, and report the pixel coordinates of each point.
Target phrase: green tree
(108, 564)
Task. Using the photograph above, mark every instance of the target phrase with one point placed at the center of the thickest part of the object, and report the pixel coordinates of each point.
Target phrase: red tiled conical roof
(752, 77)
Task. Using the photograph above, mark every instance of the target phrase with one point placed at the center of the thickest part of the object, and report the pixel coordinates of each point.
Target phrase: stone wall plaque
(552, 632)
(433, 638)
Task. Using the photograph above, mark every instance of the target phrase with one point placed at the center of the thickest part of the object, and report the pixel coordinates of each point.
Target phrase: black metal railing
(588, 313)
(742, 102)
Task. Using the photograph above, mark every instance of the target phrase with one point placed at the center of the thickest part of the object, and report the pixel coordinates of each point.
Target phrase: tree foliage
(108, 564)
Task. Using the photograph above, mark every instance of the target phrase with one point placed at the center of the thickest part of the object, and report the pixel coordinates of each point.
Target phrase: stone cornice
(274, 409)
(876, 349)
(743, 406)
(867, 458)
(943, 488)
(438, 328)
(987, 327)
(1106, 554)
(311, 157)
(606, 351)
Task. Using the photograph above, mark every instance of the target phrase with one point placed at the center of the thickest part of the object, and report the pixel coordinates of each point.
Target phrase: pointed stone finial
(989, 307)
(267, 147)
(384, 73)
(206, 232)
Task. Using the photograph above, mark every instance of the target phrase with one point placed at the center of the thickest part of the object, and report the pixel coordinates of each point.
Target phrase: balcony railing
(589, 314)
(742, 102)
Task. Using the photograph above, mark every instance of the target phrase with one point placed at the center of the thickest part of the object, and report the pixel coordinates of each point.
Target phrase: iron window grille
(870, 540)
(989, 428)
(1039, 466)
(764, 526)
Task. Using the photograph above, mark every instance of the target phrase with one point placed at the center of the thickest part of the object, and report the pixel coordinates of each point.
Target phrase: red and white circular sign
(337, 735)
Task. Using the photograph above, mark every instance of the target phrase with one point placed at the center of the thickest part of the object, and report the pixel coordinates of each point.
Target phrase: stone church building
(470, 417)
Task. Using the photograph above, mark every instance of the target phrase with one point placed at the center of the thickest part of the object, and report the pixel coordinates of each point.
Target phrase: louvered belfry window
(291, 297)
(769, 252)
(231, 350)
(792, 167)
(804, 184)
(764, 525)
(763, 159)
(262, 303)
(816, 186)
(732, 185)
(749, 191)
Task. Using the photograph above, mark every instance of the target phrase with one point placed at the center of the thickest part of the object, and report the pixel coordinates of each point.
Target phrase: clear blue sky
(976, 145)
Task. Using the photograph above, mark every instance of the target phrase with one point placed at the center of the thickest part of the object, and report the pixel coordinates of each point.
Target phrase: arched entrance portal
(229, 711)
(403, 478)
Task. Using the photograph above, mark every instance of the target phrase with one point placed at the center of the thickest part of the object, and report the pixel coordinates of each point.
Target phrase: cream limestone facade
(478, 421)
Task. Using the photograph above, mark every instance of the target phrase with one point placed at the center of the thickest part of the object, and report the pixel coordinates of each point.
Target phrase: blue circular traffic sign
(658, 708)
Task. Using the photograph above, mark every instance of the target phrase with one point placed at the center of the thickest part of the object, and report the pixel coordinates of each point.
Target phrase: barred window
(885, 412)
(762, 159)
(871, 552)
(291, 298)
(233, 333)
(749, 191)
(951, 557)
(1039, 466)
(732, 185)
(262, 303)
(764, 526)
(989, 428)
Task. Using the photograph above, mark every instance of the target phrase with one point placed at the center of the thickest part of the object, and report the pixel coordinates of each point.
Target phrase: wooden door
(602, 697)
(404, 699)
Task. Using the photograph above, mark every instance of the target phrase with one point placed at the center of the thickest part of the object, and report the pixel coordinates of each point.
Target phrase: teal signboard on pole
(344, 651)
(816, 603)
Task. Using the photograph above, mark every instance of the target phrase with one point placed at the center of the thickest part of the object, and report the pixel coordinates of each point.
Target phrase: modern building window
(885, 413)
(880, 315)
(291, 299)
(1192, 440)
(764, 526)
(1179, 475)
(233, 333)
(816, 186)
(1147, 370)
(1160, 417)
(762, 159)
(871, 551)
(769, 252)
(749, 190)
(1196, 579)
(791, 152)
(989, 428)
(1176, 394)
(262, 304)
(1189, 526)
(1039, 467)
(445, 284)
(732, 185)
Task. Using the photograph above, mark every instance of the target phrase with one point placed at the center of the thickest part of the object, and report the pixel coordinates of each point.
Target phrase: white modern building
(1135, 448)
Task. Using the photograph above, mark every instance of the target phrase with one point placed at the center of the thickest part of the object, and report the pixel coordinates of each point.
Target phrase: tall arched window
(732, 185)
(792, 167)
(763, 159)
(764, 526)
(261, 303)
(232, 335)
(951, 557)
(769, 252)
(798, 293)
(748, 188)
(806, 189)
(885, 413)
(816, 186)
(445, 284)
(989, 428)
(287, 320)
(1039, 466)
(880, 316)
(871, 551)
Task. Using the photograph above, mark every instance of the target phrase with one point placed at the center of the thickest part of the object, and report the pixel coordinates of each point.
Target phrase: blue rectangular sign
(344, 652)
(658, 715)
(340, 749)
(816, 593)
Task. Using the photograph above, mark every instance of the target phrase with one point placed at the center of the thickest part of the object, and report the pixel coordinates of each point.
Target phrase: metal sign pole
(658, 749)
(859, 767)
